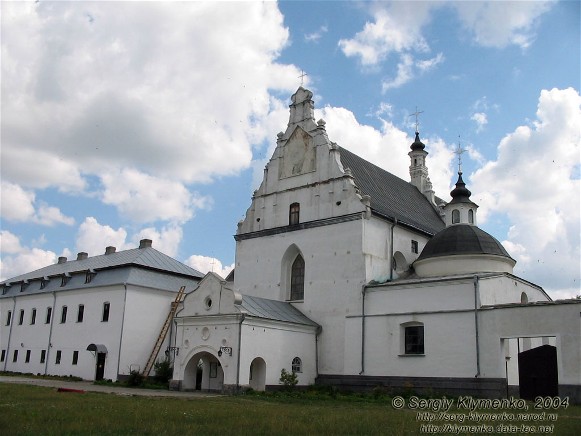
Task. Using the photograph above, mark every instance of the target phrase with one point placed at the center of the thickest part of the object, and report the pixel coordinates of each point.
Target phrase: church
(345, 275)
(350, 276)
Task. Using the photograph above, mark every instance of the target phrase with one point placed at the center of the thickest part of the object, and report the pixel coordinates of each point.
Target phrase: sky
(129, 120)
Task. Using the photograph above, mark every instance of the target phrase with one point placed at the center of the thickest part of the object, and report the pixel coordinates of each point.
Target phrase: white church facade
(360, 279)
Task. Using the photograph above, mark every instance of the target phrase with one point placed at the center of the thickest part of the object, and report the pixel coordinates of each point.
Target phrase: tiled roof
(147, 257)
(274, 310)
(391, 196)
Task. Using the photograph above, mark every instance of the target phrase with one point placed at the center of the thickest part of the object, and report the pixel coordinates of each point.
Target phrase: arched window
(293, 214)
(524, 298)
(298, 279)
(455, 216)
(297, 365)
(471, 216)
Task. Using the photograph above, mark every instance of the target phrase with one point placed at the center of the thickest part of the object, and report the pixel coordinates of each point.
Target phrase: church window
(471, 216)
(414, 339)
(294, 213)
(9, 317)
(455, 216)
(27, 358)
(298, 279)
(415, 161)
(524, 298)
(21, 319)
(3, 356)
(15, 356)
(57, 361)
(42, 356)
(64, 314)
(75, 357)
(48, 315)
(106, 307)
(81, 313)
(297, 365)
(33, 317)
(414, 246)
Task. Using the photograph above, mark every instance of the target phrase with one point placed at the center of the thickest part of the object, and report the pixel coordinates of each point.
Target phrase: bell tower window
(298, 279)
(455, 216)
(471, 216)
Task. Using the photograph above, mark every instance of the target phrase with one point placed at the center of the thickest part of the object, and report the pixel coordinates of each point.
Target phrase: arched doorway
(258, 374)
(203, 372)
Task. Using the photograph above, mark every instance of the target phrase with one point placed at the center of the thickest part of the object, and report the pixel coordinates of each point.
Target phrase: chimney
(110, 250)
(145, 243)
(62, 259)
(82, 255)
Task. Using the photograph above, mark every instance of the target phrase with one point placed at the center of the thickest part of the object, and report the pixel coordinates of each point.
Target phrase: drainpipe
(363, 288)
(121, 332)
(391, 248)
(12, 316)
(52, 315)
(476, 289)
(242, 316)
(317, 333)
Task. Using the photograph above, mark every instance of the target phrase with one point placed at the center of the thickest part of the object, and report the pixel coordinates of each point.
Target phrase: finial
(459, 151)
(302, 77)
(416, 113)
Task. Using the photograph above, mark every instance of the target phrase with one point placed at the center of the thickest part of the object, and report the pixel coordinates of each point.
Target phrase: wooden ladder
(163, 333)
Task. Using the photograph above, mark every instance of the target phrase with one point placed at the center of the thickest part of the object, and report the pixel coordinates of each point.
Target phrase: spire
(417, 144)
(460, 194)
(302, 107)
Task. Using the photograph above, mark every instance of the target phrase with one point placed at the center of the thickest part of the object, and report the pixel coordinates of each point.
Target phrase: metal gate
(538, 373)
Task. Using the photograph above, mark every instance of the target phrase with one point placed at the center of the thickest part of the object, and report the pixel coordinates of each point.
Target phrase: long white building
(93, 317)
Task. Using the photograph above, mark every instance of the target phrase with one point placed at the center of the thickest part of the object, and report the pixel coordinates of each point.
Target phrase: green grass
(33, 410)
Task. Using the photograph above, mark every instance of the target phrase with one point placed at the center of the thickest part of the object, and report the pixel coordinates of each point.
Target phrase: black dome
(417, 144)
(462, 239)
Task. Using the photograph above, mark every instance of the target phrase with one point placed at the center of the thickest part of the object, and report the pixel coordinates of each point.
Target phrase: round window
(208, 302)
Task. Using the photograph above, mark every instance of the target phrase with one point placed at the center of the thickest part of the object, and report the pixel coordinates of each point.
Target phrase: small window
(414, 339)
(294, 214)
(455, 216)
(414, 247)
(9, 317)
(64, 315)
(33, 317)
(43, 283)
(80, 313)
(106, 307)
(524, 298)
(3, 356)
(27, 358)
(298, 279)
(470, 216)
(21, 318)
(297, 365)
(42, 356)
(65, 279)
(15, 356)
(48, 315)
(89, 277)
(57, 361)
(75, 357)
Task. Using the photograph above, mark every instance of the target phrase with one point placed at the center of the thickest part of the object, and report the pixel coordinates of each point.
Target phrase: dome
(417, 144)
(462, 239)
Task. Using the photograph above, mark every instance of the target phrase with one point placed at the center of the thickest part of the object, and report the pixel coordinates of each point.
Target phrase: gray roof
(462, 239)
(391, 196)
(141, 266)
(274, 310)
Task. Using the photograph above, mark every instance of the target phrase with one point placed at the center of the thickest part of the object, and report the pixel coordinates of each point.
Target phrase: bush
(288, 379)
(163, 371)
(135, 378)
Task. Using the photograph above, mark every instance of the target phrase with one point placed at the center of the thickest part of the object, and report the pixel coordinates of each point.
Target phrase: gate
(538, 373)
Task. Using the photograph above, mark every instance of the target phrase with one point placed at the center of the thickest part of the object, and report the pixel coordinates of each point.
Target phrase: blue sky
(123, 121)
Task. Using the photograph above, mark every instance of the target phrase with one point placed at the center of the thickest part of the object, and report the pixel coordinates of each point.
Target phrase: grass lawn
(37, 410)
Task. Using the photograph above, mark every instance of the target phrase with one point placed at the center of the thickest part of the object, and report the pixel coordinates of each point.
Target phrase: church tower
(461, 210)
(419, 170)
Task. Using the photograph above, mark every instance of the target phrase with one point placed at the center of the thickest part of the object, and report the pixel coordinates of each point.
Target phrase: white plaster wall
(561, 321)
(508, 289)
(463, 264)
(278, 345)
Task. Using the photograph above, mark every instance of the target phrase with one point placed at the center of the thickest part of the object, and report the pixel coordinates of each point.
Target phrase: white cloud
(19, 205)
(9, 243)
(17, 259)
(315, 36)
(396, 28)
(93, 237)
(407, 69)
(206, 264)
(500, 23)
(144, 198)
(532, 183)
(480, 119)
(166, 240)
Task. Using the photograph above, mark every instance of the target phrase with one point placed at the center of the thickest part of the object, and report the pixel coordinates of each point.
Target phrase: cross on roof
(302, 77)
(460, 151)
(416, 113)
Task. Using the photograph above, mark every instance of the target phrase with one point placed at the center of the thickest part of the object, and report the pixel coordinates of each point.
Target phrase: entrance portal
(203, 372)
(538, 372)
(100, 372)
(258, 374)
